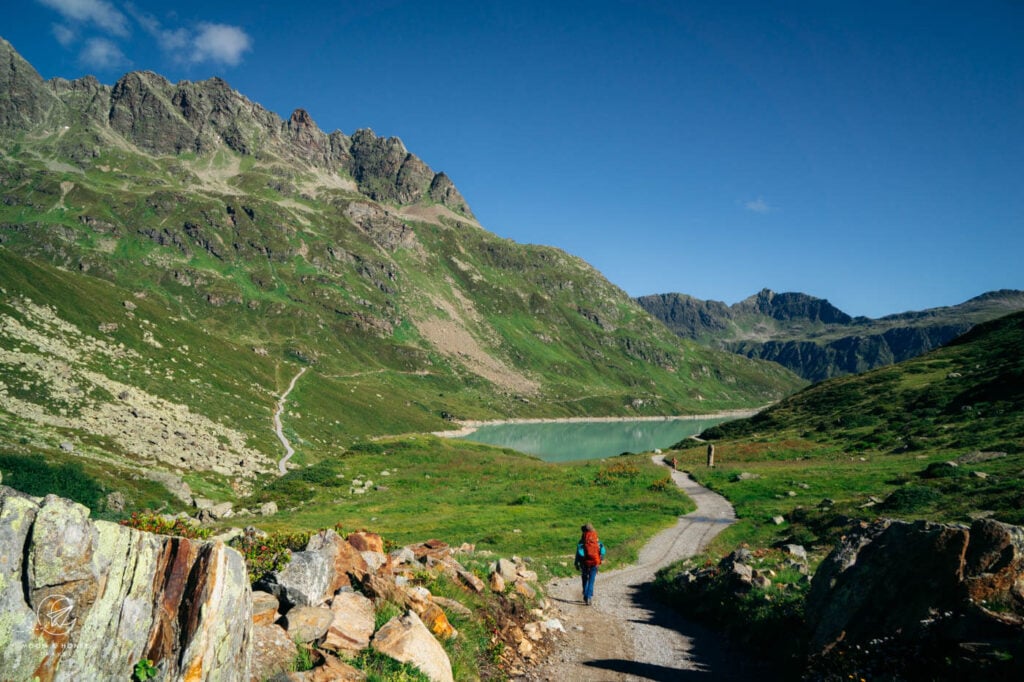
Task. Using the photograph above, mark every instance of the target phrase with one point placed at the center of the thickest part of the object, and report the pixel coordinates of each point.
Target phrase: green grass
(496, 499)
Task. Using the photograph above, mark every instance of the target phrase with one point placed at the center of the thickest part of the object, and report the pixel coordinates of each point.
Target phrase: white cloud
(169, 40)
(100, 53)
(219, 43)
(98, 12)
(64, 35)
(758, 205)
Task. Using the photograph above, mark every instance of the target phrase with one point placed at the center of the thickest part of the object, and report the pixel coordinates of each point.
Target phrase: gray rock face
(934, 586)
(303, 582)
(85, 600)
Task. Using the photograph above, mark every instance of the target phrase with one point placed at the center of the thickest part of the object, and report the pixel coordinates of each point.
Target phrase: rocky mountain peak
(164, 118)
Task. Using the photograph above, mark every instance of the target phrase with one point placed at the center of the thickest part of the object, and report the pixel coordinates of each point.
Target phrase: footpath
(626, 634)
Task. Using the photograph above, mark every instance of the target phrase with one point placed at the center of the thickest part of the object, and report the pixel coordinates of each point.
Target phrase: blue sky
(870, 153)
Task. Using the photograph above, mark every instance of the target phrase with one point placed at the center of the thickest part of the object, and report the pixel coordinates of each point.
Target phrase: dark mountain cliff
(814, 338)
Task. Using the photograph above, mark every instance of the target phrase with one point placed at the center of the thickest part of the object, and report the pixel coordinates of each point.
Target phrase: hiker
(589, 554)
(711, 454)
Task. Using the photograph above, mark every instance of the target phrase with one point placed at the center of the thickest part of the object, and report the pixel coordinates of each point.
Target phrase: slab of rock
(497, 583)
(352, 624)
(345, 561)
(264, 608)
(306, 624)
(272, 651)
(407, 639)
(268, 508)
(85, 600)
(452, 606)
(506, 569)
(303, 582)
(364, 541)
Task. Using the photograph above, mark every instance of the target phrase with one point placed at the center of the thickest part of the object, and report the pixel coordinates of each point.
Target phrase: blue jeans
(588, 574)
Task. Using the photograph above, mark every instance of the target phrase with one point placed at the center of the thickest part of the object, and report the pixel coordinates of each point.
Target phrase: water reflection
(564, 442)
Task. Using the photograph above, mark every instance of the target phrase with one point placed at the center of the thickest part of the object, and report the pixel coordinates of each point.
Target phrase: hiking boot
(587, 601)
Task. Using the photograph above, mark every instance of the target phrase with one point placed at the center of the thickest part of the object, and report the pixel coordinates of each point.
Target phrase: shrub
(154, 523)
(267, 554)
(911, 498)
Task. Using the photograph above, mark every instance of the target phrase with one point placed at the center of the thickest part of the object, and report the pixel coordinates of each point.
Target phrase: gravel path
(626, 634)
(279, 429)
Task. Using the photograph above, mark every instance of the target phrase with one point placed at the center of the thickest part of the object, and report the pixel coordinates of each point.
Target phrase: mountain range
(815, 339)
(171, 255)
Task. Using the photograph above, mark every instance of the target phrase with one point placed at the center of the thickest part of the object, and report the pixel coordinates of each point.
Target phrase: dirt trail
(626, 634)
(279, 429)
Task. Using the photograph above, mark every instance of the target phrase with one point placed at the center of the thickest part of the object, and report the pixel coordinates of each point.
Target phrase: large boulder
(952, 595)
(353, 623)
(273, 652)
(86, 600)
(303, 582)
(407, 639)
(345, 561)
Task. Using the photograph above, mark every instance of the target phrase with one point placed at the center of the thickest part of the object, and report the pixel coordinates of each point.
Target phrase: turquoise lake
(566, 442)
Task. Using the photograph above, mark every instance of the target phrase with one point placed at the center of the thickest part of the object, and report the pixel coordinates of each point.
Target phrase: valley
(214, 319)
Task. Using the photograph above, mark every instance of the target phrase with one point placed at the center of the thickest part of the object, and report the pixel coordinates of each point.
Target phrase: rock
(883, 580)
(402, 556)
(202, 503)
(797, 551)
(112, 595)
(407, 639)
(507, 569)
(497, 583)
(523, 588)
(746, 476)
(374, 560)
(264, 608)
(366, 542)
(436, 621)
(224, 510)
(307, 624)
(469, 579)
(268, 508)
(303, 582)
(526, 574)
(115, 501)
(332, 670)
(778, 520)
(66, 446)
(452, 606)
(525, 648)
(344, 561)
(272, 651)
(352, 624)
(174, 484)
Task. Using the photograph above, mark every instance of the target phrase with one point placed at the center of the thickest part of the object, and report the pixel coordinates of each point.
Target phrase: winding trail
(279, 430)
(627, 634)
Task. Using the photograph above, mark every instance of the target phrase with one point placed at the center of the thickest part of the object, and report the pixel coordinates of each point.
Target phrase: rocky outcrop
(86, 600)
(160, 117)
(950, 593)
(407, 639)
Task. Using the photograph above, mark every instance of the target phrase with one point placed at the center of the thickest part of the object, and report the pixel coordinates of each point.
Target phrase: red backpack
(591, 549)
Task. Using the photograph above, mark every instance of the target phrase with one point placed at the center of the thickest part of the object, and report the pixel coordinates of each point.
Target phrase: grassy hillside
(172, 255)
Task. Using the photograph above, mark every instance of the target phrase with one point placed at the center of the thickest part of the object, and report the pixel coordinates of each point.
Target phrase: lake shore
(468, 426)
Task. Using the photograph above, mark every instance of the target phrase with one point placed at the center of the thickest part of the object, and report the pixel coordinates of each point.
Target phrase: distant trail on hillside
(629, 636)
(288, 449)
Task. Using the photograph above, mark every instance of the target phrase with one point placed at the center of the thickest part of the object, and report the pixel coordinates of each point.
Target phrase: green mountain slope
(969, 394)
(814, 338)
(173, 254)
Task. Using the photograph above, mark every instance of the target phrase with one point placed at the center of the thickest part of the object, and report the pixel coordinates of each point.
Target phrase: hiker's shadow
(647, 671)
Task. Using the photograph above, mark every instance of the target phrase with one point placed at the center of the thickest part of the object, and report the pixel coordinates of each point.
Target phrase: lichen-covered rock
(345, 562)
(86, 600)
(272, 652)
